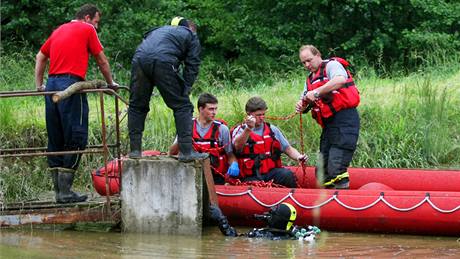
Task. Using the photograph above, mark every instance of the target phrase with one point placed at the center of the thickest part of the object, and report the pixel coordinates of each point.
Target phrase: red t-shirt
(69, 46)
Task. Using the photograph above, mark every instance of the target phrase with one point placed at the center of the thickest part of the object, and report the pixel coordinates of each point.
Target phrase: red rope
(266, 184)
(290, 116)
(207, 150)
(302, 163)
(282, 118)
(233, 181)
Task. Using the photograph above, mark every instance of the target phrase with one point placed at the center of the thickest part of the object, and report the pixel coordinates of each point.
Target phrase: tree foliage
(241, 38)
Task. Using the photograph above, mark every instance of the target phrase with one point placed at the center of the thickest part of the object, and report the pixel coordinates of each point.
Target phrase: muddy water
(27, 243)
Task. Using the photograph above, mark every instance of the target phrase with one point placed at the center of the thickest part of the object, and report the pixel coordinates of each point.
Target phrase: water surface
(55, 243)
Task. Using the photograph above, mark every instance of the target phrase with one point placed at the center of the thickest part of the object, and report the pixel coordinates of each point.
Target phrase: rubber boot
(136, 121)
(54, 177)
(342, 184)
(187, 154)
(340, 181)
(65, 181)
(135, 143)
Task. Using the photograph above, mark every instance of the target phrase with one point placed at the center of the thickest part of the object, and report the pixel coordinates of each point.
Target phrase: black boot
(65, 181)
(135, 143)
(187, 154)
(54, 177)
(136, 121)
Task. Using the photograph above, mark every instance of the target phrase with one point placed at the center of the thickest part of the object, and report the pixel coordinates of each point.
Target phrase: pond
(46, 243)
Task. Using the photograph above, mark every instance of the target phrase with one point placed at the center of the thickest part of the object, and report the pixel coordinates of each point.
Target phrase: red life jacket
(345, 97)
(260, 154)
(210, 144)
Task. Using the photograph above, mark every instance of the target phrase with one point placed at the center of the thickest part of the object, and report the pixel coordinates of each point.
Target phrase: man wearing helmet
(280, 224)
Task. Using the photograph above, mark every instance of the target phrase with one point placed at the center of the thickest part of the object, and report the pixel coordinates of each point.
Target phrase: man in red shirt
(68, 49)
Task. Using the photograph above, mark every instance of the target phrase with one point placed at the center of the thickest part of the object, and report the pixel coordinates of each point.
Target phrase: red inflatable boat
(409, 201)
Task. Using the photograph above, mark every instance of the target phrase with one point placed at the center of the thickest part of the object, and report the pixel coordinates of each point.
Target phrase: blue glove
(234, 170)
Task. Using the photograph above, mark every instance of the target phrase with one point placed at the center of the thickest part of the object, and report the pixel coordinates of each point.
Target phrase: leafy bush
(244, 39)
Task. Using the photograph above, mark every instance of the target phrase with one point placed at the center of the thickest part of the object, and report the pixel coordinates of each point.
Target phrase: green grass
(409, 122)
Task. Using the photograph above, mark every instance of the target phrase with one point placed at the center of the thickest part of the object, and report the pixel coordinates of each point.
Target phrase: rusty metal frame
(102, 148)
(39, 213)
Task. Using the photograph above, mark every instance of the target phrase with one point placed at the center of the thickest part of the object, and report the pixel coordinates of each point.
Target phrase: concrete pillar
(162, 195)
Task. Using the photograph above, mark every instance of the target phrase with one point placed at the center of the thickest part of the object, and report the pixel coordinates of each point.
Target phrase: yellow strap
(337, 178)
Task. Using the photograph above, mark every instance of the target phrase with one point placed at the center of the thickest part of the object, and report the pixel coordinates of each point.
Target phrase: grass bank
(410, 122)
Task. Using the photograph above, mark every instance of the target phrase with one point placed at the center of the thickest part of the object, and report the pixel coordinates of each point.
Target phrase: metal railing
(99, 148)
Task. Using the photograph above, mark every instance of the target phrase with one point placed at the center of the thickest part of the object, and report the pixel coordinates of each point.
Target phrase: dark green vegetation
(405, 55)
(247, 39)
(411, 122)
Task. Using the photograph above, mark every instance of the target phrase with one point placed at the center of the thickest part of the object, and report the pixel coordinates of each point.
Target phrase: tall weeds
(409, 122)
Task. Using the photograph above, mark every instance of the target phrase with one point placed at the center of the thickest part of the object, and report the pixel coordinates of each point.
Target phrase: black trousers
(218, 179)
(145, 75)
(338, 142)
(66, 123)
(280, 175)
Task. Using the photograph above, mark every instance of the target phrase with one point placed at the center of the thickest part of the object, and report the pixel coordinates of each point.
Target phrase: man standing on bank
(68, 49)
(331, 90)
(156, 62)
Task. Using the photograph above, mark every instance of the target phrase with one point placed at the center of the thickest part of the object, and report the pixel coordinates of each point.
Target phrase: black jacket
(173, 44)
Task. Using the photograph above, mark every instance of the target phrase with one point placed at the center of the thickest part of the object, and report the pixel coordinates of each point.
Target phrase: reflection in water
(76, 244)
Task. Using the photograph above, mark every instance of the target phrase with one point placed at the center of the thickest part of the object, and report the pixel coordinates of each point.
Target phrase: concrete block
(162, 195)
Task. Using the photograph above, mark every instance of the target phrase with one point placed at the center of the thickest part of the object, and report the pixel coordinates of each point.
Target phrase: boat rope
(441, 210)
(312, 207)
(404, 209)
(335, 197)
(355, 208)
(268, 205)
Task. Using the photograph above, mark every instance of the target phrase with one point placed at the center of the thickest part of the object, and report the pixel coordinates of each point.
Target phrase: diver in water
(280, 224)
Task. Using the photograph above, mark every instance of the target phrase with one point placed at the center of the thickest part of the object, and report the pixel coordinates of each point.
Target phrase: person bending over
(157, 62)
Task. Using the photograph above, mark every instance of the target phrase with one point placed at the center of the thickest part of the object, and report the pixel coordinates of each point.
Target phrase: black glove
(230, 232)
(224, 227)
(215, 212)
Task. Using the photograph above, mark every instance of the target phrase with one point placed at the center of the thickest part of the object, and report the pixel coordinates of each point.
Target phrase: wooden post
(210, 182)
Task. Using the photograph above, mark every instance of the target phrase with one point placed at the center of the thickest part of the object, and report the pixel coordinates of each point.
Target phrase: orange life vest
(210, 144)
(345, 97)
(260, 154)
